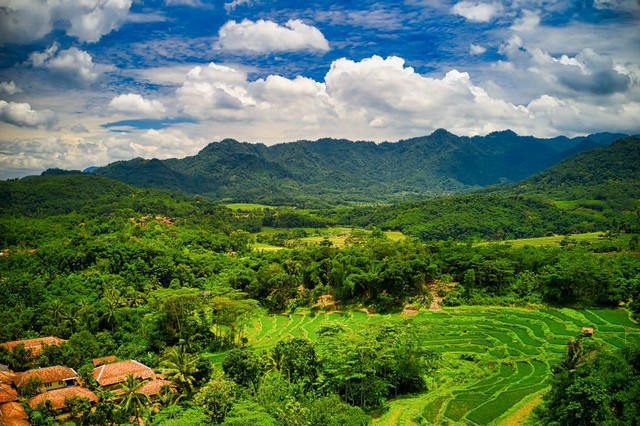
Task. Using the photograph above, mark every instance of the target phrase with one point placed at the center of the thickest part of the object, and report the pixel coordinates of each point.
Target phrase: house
(13, 414)
(51, 377)
(587, 331)
(7, 393)
(103, 360)
(58, 397)
(34, 345)
(112, 375)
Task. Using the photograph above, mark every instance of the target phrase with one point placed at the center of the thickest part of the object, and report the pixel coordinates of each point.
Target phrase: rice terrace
(499, 358)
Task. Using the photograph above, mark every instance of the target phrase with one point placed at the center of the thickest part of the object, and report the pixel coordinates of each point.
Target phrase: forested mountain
(592, 191)
(339, 170)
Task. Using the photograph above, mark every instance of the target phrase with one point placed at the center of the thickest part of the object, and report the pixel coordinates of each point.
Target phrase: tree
(133, 402)
(296, 359)
(216, 398)
(180, 367)
(243, 367)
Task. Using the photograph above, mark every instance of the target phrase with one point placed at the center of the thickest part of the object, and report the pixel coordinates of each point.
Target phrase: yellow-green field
(247, 206)
(552, 241)
(337, 235)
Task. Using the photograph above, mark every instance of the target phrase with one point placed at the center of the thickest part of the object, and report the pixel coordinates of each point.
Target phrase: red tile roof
(103, 360)
(7, 393)
(13, 414)
(58, 396)
(46, 375)
(117, 372)
(35, 345)
(152, 387)
(7, 377)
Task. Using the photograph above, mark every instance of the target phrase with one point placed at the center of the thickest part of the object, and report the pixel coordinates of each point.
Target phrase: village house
(103, 360)
(55, 377)
(111, 376)
(34, 345)
(57, 398)
(12, 413)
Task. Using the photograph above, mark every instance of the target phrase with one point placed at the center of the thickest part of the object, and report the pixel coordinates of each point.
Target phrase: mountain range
(343, 171)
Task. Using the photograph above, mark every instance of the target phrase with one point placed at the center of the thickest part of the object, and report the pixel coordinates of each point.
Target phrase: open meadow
(497, 361)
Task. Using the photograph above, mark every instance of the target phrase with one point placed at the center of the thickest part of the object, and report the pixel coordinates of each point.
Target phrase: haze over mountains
(343, 171)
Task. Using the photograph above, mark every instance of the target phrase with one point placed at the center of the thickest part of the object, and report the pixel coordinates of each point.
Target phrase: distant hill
(338, 170)
(595, 173)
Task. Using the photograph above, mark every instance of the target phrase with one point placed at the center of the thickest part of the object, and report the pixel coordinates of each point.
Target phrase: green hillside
(328, 171)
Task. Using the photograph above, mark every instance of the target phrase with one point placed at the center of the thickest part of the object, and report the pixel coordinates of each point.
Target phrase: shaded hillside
(336, 170)
(597, 173)
(594, 190)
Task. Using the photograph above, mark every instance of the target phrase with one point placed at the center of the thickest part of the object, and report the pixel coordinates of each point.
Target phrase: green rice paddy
(494, 359)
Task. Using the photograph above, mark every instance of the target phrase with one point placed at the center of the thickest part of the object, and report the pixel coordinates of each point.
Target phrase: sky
(88, 82)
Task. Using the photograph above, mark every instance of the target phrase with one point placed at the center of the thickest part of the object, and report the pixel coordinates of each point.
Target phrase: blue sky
(89, 82)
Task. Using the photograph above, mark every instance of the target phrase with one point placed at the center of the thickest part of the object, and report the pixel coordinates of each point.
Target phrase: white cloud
(20, 114)
(24, 21)
(132, 103)
(476, 49)
(72, 63)
(529, 21)
(477, 11)
(9, 88)
(229, 6)
(267, 36)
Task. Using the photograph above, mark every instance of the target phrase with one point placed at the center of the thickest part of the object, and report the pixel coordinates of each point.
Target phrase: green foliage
(216, 398)
(594, 388)
(243, 367)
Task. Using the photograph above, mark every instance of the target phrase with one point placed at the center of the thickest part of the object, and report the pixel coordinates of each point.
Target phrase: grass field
(497, 360)
(337, 236)
(248, 206)
(554, 240)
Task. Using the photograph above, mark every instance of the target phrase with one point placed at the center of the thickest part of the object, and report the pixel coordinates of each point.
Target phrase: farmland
(497, 360)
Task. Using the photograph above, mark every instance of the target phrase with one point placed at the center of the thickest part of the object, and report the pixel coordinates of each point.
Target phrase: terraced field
(498, 359)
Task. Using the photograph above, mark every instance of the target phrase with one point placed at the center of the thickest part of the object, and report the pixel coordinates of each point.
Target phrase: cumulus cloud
(9, 88)
(72, 63)
(22, 115)
(476, 49)
(132, 103)
(23, 21)
(477, 11)
(267, 36)
(586, 72)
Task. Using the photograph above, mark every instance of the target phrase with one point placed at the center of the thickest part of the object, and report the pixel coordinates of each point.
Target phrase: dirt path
(518, 417)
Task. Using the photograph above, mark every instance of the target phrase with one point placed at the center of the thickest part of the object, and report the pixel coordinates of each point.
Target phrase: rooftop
(35, 345)
(13, 414)
(58, 396)
(7, 393)
(117, 372)
(46, 375)
(103, 360)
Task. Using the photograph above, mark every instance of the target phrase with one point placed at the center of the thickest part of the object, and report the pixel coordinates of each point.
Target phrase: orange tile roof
(58, 396)
(7, 377)
(152, 387)
(12, 413)
(35, 345)
(103, 360)
(7, 393)
(117, 372)
(46, 375)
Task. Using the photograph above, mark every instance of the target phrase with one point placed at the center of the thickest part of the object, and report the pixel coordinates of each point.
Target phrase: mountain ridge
(344, 171)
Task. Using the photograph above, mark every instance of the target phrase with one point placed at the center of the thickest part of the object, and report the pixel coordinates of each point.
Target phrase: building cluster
(54, 386)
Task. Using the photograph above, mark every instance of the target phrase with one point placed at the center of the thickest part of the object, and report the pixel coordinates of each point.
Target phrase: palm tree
(133, 402)
(180, 367)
